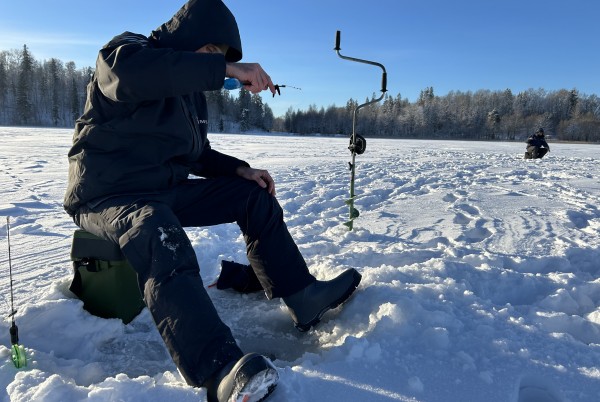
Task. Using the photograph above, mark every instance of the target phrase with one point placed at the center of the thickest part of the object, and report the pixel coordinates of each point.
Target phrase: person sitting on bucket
(537, 146)
(143, 131)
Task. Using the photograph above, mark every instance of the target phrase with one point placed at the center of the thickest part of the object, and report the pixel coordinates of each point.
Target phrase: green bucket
(103, 278)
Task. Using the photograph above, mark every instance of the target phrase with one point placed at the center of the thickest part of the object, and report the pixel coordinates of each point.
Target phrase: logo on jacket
(202, 121)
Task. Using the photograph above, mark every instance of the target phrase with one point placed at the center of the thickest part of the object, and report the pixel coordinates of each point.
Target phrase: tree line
(482, 115)
(32, 93)
(52, 93)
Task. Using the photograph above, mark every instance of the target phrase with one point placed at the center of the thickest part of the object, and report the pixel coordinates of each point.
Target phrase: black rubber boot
(308, 305)
(250, 379)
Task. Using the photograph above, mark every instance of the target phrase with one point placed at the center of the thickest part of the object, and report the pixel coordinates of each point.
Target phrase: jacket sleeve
(215, 164)
(130, 69)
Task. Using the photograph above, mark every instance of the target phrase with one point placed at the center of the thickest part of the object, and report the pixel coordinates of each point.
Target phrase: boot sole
(356, 278)
(259, 387)
(255, 379)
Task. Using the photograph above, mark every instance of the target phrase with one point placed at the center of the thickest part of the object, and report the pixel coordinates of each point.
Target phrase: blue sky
(462, 45)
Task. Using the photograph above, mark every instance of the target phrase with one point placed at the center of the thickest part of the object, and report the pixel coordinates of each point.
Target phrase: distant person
(537, 146)
(142, 133)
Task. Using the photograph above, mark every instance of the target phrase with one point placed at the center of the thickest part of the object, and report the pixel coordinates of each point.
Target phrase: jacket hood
(198, 23)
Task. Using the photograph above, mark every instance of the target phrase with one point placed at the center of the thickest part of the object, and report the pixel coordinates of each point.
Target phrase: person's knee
(266, 201)
(157, 245)
(262, 210)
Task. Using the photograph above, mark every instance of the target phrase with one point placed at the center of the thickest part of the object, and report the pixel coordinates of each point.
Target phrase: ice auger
(358, 143)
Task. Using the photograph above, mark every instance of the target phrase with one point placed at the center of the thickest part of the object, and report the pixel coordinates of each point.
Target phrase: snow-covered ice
(480, 276)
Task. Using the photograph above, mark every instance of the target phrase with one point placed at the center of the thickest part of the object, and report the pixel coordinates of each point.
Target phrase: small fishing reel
(18, 355)
(359, 146)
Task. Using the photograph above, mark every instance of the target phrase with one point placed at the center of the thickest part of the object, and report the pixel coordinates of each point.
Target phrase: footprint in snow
(534, 389)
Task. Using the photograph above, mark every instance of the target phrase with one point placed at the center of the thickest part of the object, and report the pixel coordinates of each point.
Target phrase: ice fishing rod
(18, 351)
(233, 83)
(358, 143)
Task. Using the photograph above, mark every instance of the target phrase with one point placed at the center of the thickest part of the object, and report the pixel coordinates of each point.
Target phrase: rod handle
(337, 40)
(14, 334)
(384, 82)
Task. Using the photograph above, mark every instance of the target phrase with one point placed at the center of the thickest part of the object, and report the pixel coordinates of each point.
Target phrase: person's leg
(272, 252)
(157, 247)
(274, 256)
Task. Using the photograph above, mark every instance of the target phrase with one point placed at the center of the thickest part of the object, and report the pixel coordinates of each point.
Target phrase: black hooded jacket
(144, 127)
(537, 141)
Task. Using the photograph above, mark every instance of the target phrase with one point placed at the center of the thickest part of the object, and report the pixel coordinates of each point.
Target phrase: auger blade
(353, 214)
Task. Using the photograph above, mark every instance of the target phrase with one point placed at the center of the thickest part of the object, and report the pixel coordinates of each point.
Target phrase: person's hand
(262, 177)
(253, 76)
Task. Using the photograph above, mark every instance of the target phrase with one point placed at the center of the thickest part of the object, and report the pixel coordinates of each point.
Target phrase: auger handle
(337, 48)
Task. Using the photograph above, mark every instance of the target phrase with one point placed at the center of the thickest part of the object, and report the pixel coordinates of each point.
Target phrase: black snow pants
(149, 230)
(534, 152)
